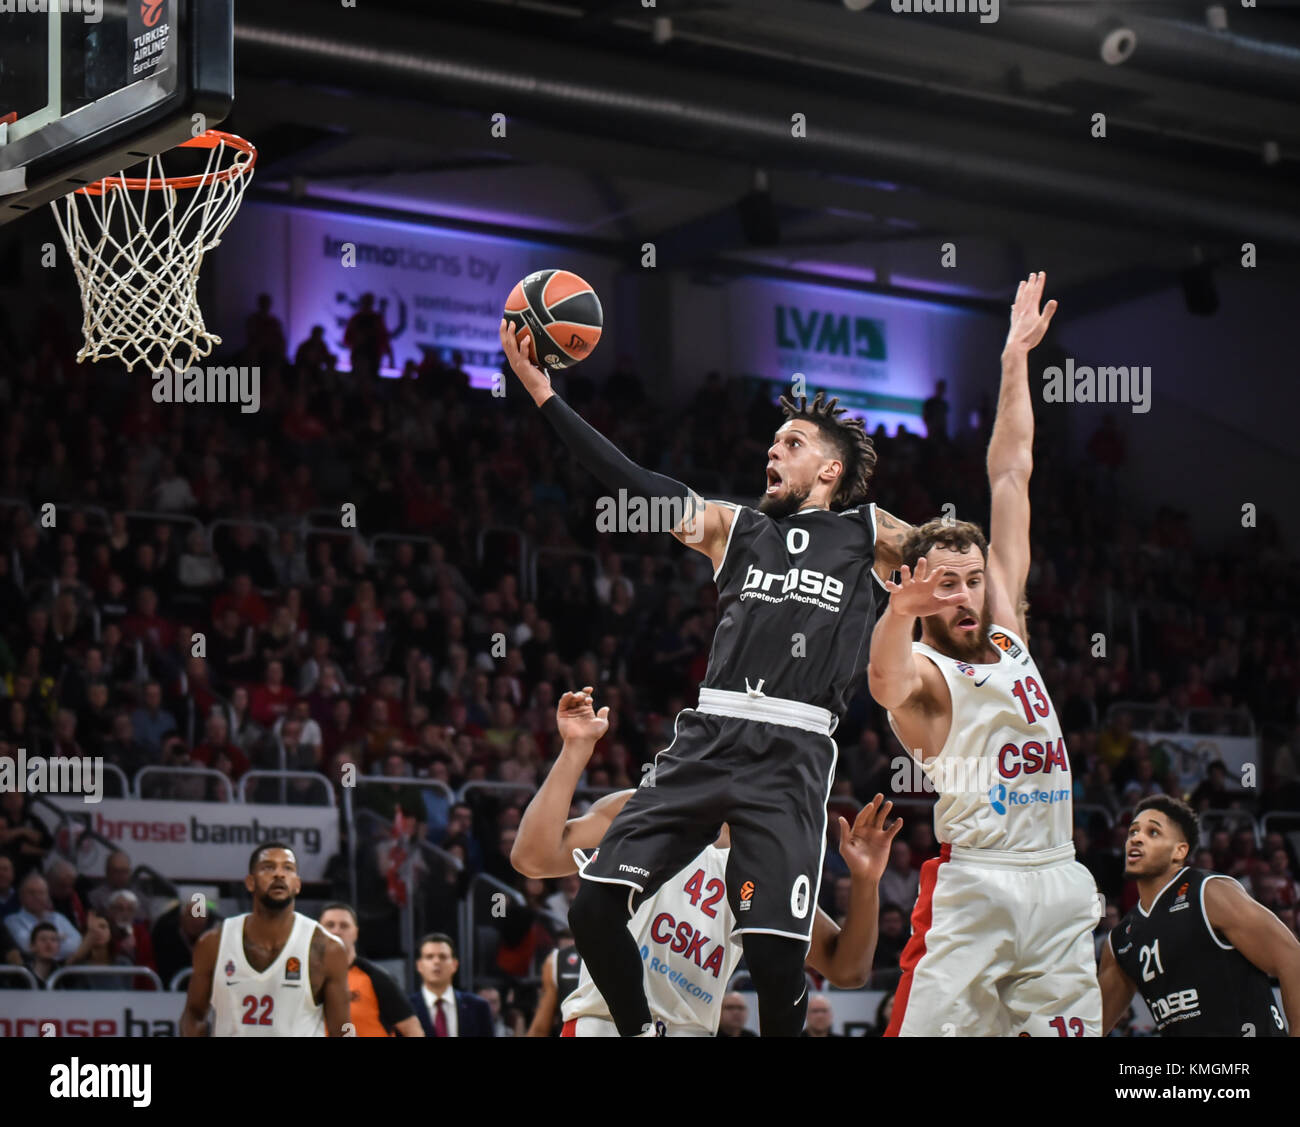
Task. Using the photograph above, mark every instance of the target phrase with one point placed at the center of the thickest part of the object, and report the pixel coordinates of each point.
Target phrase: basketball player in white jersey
(1002, 930)
(684, 930)
(271, 972)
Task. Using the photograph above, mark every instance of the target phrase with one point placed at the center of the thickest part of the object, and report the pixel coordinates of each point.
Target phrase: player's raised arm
(547, 837)
(1011, 457)
(844, 955)
(896, 676)
(702, 526)
(1261, 938)
(198, 998)
(1117, 989)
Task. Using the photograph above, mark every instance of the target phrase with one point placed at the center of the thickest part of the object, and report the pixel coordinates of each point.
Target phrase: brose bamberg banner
(211, 840)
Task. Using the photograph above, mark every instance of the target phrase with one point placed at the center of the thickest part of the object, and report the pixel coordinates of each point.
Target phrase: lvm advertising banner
(210, 840)
(880, 355)
(438, 290)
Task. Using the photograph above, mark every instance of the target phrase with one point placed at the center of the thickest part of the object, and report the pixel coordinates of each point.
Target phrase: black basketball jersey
(1194, 983)
(796, 604)
(568, 969)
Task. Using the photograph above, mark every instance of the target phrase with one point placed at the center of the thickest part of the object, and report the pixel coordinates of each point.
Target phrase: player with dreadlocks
(795, 608)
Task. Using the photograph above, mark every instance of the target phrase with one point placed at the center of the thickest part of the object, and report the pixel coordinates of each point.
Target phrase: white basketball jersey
(1002, 776)
(276, 1002)
(684, 933)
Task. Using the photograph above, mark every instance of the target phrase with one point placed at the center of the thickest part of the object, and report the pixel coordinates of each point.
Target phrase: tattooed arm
(890, 534)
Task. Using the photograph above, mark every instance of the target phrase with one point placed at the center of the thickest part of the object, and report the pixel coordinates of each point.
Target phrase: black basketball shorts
(768, 781)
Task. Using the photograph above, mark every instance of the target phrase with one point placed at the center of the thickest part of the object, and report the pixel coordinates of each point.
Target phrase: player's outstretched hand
(515, 344)
(865, 845)
(578, 721)
(915, 594)
(1027, 324)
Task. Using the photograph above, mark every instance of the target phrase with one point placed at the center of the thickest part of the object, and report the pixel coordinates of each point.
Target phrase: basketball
(561, 312)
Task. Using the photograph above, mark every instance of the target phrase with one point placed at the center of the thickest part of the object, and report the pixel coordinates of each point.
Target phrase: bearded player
(1002, 930)
(795, 605)
(684, 930)
(1199, 949)
(270, 972)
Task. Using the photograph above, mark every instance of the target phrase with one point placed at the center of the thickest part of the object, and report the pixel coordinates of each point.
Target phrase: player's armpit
(544, 1018)
(705, 527)
(198, 998)
(1117, 989)
(1260, 936)
(409, 1027)
(336, 998)
(547, 861)
(845, 964)
(587, 831)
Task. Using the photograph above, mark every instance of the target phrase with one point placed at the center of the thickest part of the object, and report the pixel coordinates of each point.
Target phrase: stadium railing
(184, 519)
(492, 785)
(470, 939)
(1292, 816)
(103, 972)
(20, 972)
(523, 553)
(181, 979)
(350, 812)
(182, 773)
(558, 554)
(241, 788)
(1209, 818)
(1093, 808)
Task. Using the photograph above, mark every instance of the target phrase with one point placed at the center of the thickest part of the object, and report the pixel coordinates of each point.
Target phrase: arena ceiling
(672, 125)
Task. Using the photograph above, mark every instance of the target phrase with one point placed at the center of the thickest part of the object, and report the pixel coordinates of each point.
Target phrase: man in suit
(443, 1011)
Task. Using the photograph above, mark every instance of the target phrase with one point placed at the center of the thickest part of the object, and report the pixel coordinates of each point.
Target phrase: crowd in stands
(441, 657)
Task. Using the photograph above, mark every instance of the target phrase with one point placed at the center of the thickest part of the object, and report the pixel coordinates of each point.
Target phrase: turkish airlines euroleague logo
(151, 11)
(746, 895)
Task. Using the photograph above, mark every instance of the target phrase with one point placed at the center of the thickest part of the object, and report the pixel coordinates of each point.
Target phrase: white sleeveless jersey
(276, 1002)
(684, 934)
(1003, 776)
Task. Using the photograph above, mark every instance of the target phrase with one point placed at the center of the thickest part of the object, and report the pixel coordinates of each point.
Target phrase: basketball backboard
(90, 87)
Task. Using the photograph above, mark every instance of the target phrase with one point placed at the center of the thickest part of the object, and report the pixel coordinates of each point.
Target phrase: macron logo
(101, 1081)
(633, 869)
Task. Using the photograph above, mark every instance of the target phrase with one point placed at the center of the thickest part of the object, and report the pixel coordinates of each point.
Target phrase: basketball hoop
(137, 253)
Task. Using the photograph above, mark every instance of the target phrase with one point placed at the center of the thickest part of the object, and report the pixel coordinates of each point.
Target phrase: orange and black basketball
(561, 313)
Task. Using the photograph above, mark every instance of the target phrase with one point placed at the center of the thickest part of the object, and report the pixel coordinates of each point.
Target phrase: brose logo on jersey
(796, 582)
(1178, 1006)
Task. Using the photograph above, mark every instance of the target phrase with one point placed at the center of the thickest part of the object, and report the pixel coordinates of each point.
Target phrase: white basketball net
(137, 256)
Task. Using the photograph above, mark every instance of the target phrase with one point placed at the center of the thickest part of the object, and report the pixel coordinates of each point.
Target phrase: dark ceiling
(672, 124)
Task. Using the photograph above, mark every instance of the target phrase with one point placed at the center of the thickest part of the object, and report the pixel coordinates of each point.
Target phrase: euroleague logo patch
(293, 970)
(1006, 644)
(746, 895)
(1180, 902)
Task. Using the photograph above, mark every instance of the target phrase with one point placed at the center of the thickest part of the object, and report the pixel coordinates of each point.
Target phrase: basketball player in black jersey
(795, 606)
(1199, 949)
